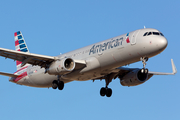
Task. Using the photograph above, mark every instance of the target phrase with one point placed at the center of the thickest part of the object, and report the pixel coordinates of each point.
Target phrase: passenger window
(145, 34)
(155, 33)
(149, 33)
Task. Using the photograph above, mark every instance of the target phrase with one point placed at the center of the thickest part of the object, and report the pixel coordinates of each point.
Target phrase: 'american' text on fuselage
(104, 46)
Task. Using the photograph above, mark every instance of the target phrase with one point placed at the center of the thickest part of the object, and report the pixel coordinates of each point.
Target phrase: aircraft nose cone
(162, 43)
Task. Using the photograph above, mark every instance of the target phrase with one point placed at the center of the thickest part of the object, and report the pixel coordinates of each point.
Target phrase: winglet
(173, 67)
(160, 73)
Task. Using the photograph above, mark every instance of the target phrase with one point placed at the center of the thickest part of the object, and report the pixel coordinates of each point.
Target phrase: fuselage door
(134, 36)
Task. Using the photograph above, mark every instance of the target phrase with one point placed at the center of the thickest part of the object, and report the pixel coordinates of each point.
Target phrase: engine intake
(61, 67)
(134, 78)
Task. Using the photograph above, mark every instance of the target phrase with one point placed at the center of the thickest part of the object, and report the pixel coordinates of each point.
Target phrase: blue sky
(59, 26)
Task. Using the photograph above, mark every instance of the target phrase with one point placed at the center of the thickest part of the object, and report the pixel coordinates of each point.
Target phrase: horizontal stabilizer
(8, 74)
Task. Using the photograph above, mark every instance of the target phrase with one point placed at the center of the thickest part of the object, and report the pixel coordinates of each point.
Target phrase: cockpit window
(145, 34)
(152, 33)
(161, 34)
(155, 33)
(149, 33)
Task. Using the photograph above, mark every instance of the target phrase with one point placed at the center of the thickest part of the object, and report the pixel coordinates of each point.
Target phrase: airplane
(104, 60)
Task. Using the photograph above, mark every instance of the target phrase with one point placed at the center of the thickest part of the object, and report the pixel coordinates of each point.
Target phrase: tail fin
(20, 45)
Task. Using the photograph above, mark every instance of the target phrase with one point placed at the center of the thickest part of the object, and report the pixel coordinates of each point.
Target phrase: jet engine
(134, 78)
(61, 67)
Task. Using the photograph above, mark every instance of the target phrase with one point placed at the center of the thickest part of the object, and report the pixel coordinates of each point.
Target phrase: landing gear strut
(58, 84)
(144, 60)
(105, 90)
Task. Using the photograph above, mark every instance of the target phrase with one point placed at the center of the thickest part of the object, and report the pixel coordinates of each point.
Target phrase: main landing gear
(58, 84)
(105, 90)
(144, 60)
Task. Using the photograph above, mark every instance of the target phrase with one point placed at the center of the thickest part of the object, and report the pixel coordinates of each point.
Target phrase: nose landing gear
(144, 60)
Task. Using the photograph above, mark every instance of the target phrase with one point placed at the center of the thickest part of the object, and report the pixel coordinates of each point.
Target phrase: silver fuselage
(101, 58)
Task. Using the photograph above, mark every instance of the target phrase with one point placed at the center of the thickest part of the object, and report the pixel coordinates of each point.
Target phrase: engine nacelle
(134, 78)
(61, 67)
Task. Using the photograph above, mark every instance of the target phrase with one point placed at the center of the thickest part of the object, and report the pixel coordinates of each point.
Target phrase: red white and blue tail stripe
(20, 45)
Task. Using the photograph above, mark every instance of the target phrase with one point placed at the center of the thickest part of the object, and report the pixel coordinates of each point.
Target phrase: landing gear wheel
(55, 84)
(60, 85)
(144, 71)
(108, 92)
(103, 91)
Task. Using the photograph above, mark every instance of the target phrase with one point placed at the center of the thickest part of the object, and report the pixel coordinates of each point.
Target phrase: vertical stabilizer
(20, 45)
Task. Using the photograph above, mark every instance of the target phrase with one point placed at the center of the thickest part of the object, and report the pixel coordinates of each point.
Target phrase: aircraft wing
(122, 71)
(33, 59)
(25, 57)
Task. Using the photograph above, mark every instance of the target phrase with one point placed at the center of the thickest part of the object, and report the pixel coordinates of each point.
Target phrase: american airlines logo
(104, 46)
(127, 38)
